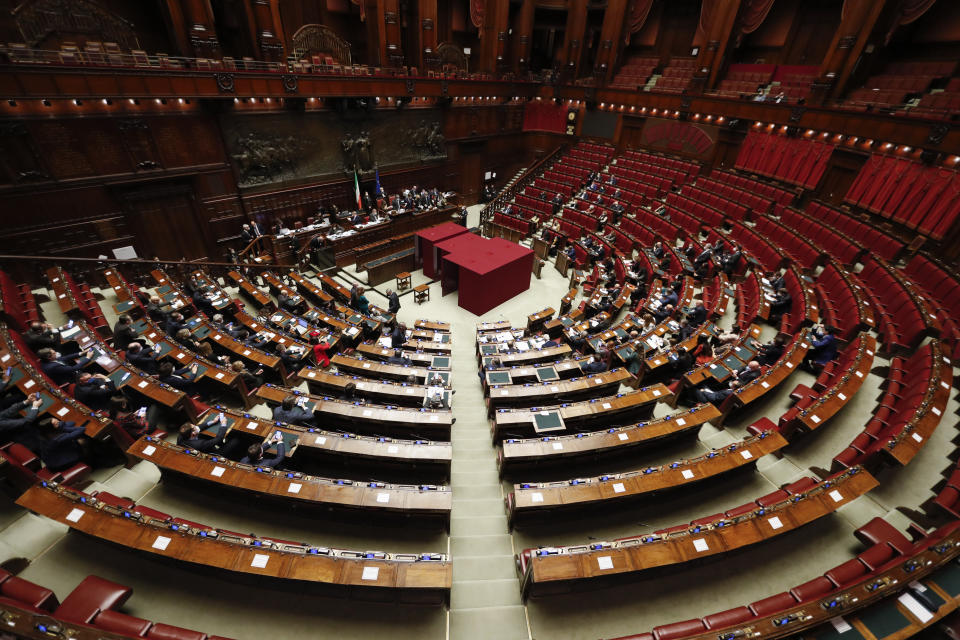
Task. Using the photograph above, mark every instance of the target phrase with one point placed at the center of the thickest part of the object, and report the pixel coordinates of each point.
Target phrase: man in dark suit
(182, 379)
(698, 314)
(749, 372)
(157, 310)
(62, 369)
(823, 349)
(94, 391)
(143, 359)
(256, 453)
(770, 352)
(393, 301)
(40, 336)
(123, 332)
(398, 336)
(189, 435)
(11, 422)
(291, 412)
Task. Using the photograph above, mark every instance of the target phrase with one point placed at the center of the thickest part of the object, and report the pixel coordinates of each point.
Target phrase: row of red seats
(705, 214)
(647, 170)
(757, 203)
(689, 223)
(624, 242)
(832, 242)
(533, 203)
(909, 384)
(761, 249)
(756, 77)
(792, 244)
(523, 226)
(747, 301)
(794, 160)
(947, 101)
(671, 85)
(910, 193)
(935, 68)
(521, 211)
(19, 305)
(566, 175)
(552, 186)
(888, 549)
(92, 604)
(680, 73)
(732, 210)
(666, 228)
(688, 167)
(867, 235)
(639, 231)
(841, 304)
(582, 218)
(832, 376)
(579, 163)
(586, 156)
(909, 83)
(902, 318)
(877, 97)
(738, 86)
(643, 181)
(942, 292)
(604, 150)
(571, 229)
(87, 303)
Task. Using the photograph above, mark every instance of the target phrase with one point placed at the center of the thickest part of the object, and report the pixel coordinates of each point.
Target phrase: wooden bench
(386, 268)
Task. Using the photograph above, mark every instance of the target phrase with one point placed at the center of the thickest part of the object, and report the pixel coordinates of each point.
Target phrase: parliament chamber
(469, 319)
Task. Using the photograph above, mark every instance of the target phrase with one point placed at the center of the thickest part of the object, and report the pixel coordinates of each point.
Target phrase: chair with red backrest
(773, 604)
(121, 623)
(90, 597)
(677, 630)
(160, 631)
(28, 593)
(728, 618)
(812, 589)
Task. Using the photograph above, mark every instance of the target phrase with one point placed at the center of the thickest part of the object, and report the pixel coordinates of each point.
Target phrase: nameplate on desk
(701, 545)
(554, 389)
(746, 455)
(504, 392)
(260, 560)
(606, 405)
(815, 419)
(383, 498)
(656, 392)
(294, 487)
(605, 562)
(623, 436)
(252, 425)
(28, 384)
(218, 472)
(434, 418)
(836, 495)
(149, 450)
(62, 295)
(687, 474)
(775, 523)
(842, 396)
(917, 437)
(63, 411)
(393, 449)
(5, 357)
(859, 374)
(161, 543)
(75, 515)
(619, 488)
(366, 365)
(936, 411)
(370, 573)
(681, 422)
(142, 384)
(219, 376)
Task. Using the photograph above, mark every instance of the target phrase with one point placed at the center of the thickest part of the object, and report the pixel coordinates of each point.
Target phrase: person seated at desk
(657, 251)
(187, 341)
(686, 329)
(398, 358)
(731, 260)
(123, 332)
(593, 365)
(13, 425)
(218, 323)
(189, 435)
(141, 358)
(435, 398)
(603, 218)
(570, 252)
(349, 393)
(94, 390)
(698, 315)
(62, 444)
(749, 372)
(716, 396)
(320, 350)
(668, 296)
(356, 218)
(775, 280)
(291, 303)
(780, 305)
(183, 379)
(398, 336)
(256, 453)
(134, 423)
(663, 313)
(157, 310)
(40, 336)
(174, 323)
(703, 352)
(251, 380)
(291, 357)
(293, 411)
(770, 352)
(257, 341)
(823, 348)
(62, 369)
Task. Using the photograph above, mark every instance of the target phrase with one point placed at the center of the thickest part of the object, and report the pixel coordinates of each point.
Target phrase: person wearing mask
(141, 358)
(123, 332)
(183, 379)
(293, 412)
(189, 435)
(63, 444)
(94, 390)
(62, 369)
(251, 380)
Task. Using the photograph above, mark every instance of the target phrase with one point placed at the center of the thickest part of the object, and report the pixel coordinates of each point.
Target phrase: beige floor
(485, 601)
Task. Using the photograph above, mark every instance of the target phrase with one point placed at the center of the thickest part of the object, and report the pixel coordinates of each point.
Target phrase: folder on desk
(488, 349)
(123, 307)
(546, 374)
(440, 362)
(16, 374)
(498, 377)
(547, 421)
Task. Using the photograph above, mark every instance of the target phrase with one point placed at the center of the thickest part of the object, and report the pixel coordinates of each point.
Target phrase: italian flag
(356, 190)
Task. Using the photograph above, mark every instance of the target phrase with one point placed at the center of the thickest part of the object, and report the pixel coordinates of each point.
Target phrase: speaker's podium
(486, 272)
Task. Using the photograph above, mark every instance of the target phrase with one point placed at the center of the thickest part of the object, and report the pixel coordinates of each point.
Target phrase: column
(522, 32)
(200, 28)
(493, 43)
(572, 50)
(388, 13)
(857, 21)
(717, 37)
(427, 15)
(269, 33)
(614, 19)
(374, 22)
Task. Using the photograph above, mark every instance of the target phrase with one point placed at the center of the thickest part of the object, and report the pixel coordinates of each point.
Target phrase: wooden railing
(529, 175)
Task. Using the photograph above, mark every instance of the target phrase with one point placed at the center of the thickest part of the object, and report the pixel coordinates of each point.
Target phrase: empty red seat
(679, 629)
(812, 589)
(727, 618)
(28, 593)
(879, 530)
(847, 573)
(90, 597)
(878, 556)
(773, 604)
(160, 631)
(121, 623)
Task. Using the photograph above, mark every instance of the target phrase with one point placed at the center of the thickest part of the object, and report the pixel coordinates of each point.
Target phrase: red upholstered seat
(728, 618)
(770, 605)
(121, 623)
(742, 510)
(847, 573)
(878, 556)
(90, 597)
(115, 501)
(152, 513)
(812, 589)
(636, 636)
(879, 530)
(24, 456)
(28, 593)
(801, 485)
(678, 629)
(162, 631)
(761, 425)
(773, 498)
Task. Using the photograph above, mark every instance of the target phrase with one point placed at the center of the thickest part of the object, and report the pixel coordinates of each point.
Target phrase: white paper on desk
(28, 384)
(294, 487)
(385, 342)
(841, 625)
(775, 523)
(619, 488)
(320, 440)
(746, 455)
(700, 544)
(558, 446)
(383, 498)
(260, 560)
(370, 573)
(623, 436)
(836, 495)
(63, 411)
(605, 562)
(218, 472)
(149, 449)
(919, 611)
(536, 497)
(252, 425)
(687, 474)
(161, 543)
(75, 515)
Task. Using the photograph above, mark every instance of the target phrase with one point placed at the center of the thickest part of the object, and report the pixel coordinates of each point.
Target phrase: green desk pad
(547, 373)
(547, 421)
(884, 618)
(440, 362)
(499, 377)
